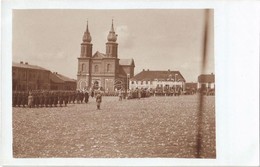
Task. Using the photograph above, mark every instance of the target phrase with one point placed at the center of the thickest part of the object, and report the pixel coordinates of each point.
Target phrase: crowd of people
(59, 98)
(44, 98)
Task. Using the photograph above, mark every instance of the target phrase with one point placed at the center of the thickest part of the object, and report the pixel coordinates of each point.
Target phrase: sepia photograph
(127, 83)
(136, 83)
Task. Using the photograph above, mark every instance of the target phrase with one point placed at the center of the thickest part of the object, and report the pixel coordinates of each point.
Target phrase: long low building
(32, 77)
(157, 79)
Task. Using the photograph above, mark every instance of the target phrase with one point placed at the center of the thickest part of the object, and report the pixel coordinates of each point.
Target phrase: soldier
(30, 100)
(73, 97)
(98, 100)
(36, 99)
(41, 99)
(45, 95)
(65, 98)
(78, 96)
(50, 99)
(86, 96)
(120, 95)
(55, 99)
(60, 99)
(81, 96)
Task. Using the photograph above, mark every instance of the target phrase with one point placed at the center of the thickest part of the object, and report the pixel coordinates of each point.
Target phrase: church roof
(99, 55)
(126, 62)
(158, 75)
(28, 66)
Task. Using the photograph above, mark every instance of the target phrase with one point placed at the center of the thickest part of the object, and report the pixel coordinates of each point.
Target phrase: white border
(236, 65)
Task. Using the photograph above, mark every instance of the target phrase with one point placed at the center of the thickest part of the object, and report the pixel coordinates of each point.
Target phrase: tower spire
(87, 27)
(86, 36)
(112, 36)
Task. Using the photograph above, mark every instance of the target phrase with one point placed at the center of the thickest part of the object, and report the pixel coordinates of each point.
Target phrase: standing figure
(98, 100)
(86, 96)
(60, 98)
(139, 94)
(30, 100)
(120, 95)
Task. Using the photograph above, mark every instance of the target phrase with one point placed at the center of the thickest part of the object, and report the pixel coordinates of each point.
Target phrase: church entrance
(118, 84)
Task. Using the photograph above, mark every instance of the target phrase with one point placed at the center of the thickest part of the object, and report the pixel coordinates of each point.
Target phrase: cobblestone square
(149, 127)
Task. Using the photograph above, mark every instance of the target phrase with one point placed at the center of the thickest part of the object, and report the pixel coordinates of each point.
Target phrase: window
(141, 82)
(133, 82)
(108, 67)
(96, 68)
(146, 82)
(83, 67)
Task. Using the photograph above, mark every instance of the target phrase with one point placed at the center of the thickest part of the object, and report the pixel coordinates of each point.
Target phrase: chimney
(147, 69)
(169, 70)
(212, 73)
(26, 63)
(143, 69)
(21, 62)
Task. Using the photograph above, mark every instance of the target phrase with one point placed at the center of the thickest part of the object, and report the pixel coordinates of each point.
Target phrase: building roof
(99, 55)
(27, 66)
(126, 62)
(158, 75)
(62, 78)
(206, 78)
(54, 78)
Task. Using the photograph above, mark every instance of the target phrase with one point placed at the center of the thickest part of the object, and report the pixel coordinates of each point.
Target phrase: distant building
(31, 77)
(104, 70)
(157, 79)
(61, 82)
(206, 81)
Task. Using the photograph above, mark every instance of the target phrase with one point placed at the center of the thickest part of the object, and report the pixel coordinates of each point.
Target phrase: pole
(203, 66)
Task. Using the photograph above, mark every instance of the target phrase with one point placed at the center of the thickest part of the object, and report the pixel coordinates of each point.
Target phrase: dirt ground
(149, 127)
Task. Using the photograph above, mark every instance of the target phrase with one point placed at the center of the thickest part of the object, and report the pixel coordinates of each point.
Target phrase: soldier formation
(43, 98)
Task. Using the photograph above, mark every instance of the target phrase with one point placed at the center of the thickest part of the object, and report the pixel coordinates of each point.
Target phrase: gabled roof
(28, 66)
(63, 78)
(206, 78)
(99, 55)
(126, 62)
(158, 75)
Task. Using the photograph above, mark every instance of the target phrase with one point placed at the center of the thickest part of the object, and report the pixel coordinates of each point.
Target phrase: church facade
(103, 70)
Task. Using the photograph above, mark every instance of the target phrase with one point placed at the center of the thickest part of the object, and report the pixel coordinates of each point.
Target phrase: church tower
(84, 61)
(111, 45)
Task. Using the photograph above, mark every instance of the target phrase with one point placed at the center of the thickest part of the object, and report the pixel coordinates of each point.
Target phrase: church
(103, 70)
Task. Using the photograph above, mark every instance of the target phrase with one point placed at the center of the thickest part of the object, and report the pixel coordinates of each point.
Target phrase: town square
(156, 126)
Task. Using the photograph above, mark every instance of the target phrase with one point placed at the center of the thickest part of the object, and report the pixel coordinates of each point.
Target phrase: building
(191, 87)
(103, 70)
(61, 82)
(206, 81)
(157, 79)
(31, 77)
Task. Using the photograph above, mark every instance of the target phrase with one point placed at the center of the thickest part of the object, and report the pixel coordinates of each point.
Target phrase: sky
(156, 39)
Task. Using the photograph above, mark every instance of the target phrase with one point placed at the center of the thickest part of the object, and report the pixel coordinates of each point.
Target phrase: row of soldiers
(39, 98)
